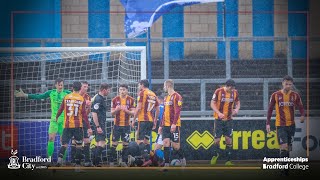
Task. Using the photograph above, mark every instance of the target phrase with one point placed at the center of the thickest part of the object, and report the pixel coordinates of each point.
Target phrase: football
(175, 162)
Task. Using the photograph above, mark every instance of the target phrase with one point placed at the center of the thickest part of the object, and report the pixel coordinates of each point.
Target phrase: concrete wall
(245, 28)
(280, 27)
(75, 25)
(200, 25)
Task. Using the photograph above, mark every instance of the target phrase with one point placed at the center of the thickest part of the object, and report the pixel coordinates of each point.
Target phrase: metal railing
(166, 41)
(203, 82)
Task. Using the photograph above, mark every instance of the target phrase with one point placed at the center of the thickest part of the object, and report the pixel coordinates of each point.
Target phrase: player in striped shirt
(285, 101)
(74, 107)
(147, 120)
(86, 141)
(171, 123)
(122, 108)
(225, 103)
(86, 138)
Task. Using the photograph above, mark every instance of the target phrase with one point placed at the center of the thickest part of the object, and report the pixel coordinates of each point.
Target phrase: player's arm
(156, 114)
(85, 118)
(20, 93)
(96, 122)
(136, 112)
(301, 109)
(236, 110)
(60, 110)
(270, 109)
(213, 105)
(138, 108)
(114, 108)
(88, 105)
(94, 112)
(131, 109)
(177, 110)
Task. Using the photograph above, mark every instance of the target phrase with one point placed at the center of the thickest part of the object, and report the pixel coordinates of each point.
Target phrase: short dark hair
(287, 78)
(76, 86)
(144, 82)
(231, 83)
(84, 82)
(123, 85)
(58, 80)
(104, 86)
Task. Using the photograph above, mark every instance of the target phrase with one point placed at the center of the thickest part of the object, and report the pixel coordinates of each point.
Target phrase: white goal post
(141, 49)
(35, 70)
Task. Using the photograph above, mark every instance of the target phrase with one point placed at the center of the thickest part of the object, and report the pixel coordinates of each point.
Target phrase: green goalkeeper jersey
(56, 99)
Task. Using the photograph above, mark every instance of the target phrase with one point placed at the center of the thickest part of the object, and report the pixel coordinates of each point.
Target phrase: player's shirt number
(151, 104)
(73, 109)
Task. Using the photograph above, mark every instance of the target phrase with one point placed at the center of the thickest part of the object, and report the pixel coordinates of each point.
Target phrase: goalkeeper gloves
(20, 93)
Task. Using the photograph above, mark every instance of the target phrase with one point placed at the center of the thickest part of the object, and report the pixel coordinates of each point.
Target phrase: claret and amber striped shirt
(149, 101)
(87, 97)
(172, 108)
(285, 104)
(122, 118)
(225, 102)
(74, 108)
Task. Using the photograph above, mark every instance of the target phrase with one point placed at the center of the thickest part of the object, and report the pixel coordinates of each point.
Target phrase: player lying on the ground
(139, 156)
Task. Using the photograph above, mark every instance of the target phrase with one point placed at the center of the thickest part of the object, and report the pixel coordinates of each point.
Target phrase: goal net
(35, 71)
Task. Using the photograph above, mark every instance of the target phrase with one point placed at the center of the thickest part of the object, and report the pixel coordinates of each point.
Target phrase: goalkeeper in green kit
(56, 97)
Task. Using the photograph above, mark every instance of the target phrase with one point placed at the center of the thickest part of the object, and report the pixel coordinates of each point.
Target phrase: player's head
(144, 83)
(123, 89)
(230, 84)
(59, 84)
(84, 86)
(168, 84)
(104, 89)
(287, 83)
(76, 86)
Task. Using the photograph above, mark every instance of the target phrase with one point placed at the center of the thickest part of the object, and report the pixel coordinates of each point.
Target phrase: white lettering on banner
(285, 159)
(27, 163)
